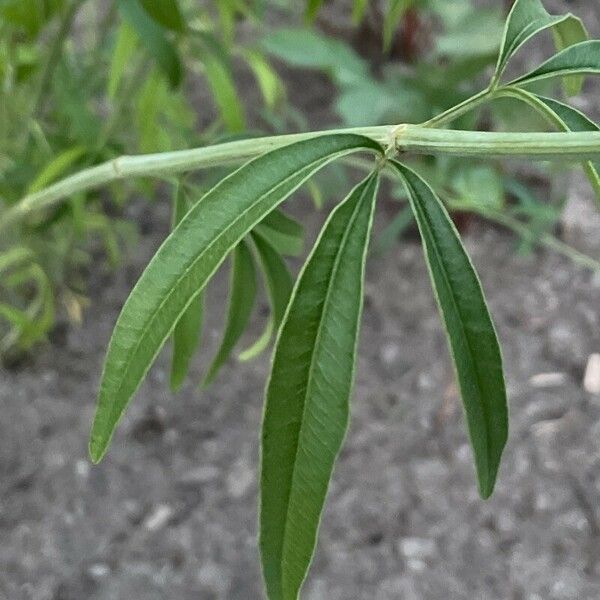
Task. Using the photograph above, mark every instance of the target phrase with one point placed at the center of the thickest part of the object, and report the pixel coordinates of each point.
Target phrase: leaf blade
(167, 13)
(241, 303)
(279, 284)
(471, 334)
(220, 79)
(563, 117)
(153, 37)
(282, 232)
(187, 332)
(190, 256)
(526, 19)
(306, 410)
(579, 59)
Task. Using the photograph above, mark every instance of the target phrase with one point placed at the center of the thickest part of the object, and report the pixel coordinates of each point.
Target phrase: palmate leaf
(186, 335)
(528, 18)
(306, 410)
(471, 335)
(189, 257)
(241, 303)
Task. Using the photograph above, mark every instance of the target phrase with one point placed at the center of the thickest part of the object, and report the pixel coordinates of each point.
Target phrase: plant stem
(545, 239)
(562, 146)
(460, 109)
(404, 138)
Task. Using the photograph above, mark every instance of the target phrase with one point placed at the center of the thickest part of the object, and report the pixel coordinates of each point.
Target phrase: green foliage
(528, 18)
(306, 410)
(190, 256)
(72, 100)
(317, 320)
(186, 335)
(475, 348)
(153, 37)
(241, 303)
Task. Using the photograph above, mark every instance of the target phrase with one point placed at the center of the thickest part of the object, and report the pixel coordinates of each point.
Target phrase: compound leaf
(306, 411)
(189, 257)
(528, 18)
(475, 349)
(241, 303)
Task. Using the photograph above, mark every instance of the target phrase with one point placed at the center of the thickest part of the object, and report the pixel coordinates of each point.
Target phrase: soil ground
(171, 512)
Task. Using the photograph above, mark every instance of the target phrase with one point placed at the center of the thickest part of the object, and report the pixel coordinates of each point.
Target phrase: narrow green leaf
(56, 167)
(359, 7)
(151, 98)
(394, 13)
(241, 303)
(312, 9)
(153, 37)
(165, 12)
(471, 335)
(563, 117)
(187, 332)
(279, 284)
(335, 56)
(122, 55)
(528, 18)
(582, 58)
(283, 233)
(189, 257)
(306, 411)
(270, 84)
(220, 79)
(568, 33)
(14, 256)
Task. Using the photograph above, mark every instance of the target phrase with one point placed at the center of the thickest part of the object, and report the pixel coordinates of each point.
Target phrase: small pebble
(548, 380)
(158, 518)
(591, 379)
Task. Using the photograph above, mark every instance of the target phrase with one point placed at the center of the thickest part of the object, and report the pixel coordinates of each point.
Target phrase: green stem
(562, 146)
(554, 120)
(545, 239)
(460, 109)
(403, 138)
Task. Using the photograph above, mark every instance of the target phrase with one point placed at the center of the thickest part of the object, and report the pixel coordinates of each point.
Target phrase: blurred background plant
(83, 82)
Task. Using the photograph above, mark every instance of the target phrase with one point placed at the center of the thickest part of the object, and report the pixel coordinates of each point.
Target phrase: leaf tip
(96, 450)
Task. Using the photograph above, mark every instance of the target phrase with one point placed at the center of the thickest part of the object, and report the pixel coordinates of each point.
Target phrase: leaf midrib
(318, 336)
(466, 337)
(185, 273)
